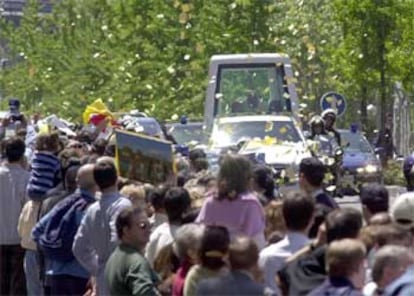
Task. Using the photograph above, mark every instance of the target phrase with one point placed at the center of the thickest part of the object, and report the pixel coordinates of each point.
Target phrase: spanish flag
(96, 110)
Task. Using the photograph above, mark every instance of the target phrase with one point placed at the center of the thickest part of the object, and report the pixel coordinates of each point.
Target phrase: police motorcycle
(325, 147)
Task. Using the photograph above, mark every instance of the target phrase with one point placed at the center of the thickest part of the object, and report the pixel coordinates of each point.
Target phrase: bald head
(85, 177)
(106, 160)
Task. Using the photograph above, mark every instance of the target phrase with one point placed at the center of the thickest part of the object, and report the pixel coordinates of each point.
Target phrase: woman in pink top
(233, 205)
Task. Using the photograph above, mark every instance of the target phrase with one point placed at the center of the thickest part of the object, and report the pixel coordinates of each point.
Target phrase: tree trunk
(381, 33)
(363, 107)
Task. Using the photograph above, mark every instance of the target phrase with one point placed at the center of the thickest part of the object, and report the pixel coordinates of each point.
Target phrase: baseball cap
(402, 210)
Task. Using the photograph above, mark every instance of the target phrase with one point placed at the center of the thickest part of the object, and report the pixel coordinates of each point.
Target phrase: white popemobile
(249, 84)
(276, 140)
(251, 103)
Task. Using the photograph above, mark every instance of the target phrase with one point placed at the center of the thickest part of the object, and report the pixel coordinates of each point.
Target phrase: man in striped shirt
(46, 169)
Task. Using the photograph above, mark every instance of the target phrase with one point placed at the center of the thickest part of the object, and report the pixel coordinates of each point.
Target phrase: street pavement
(353, 201)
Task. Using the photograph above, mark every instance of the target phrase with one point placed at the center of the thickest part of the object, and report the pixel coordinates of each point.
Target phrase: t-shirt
(162, 236)
(44, 176)
(13, 182)
(129, 273)
(241, 216)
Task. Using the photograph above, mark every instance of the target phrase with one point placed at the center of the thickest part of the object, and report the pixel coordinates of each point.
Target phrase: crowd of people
(70, 225)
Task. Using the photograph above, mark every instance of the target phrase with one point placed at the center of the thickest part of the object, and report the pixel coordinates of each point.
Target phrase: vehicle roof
(249, 58)
(190, 123)
(145, 119)
(347, 131)
(248, 118)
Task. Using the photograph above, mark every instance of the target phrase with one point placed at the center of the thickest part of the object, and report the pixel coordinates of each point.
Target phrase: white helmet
(329, 111)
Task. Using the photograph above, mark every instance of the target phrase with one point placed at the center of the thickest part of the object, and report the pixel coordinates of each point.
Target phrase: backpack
(57, 238)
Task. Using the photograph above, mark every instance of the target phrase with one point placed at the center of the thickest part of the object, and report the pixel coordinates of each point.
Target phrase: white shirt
(274, 256)
(96, 237)
(13, 182)
(369, 289)
(157, 219)
(162, 236)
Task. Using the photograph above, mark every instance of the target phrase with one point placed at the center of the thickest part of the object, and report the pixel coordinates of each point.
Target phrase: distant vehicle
(360, 163)
(141, 123)
(187, 133)
(249, 84)
(274, 139)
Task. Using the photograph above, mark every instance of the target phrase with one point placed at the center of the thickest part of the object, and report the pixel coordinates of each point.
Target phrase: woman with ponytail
(212, 254)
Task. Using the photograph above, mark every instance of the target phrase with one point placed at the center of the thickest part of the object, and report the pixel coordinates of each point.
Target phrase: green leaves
(154, 54)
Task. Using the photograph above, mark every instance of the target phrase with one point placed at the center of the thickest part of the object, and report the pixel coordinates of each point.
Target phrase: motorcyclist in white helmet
(329, 116)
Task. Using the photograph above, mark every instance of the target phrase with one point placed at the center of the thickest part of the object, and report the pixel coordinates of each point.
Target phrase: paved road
(353, 201)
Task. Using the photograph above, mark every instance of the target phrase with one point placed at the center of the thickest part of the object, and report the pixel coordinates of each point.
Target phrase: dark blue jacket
(326, 200)
(233, 283)
(75, 206)
(336, 287)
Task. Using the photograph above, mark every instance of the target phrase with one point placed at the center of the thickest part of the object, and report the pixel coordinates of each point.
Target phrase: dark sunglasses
(404, 221)
(143, 225)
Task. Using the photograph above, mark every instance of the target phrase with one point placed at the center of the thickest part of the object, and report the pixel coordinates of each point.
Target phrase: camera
(16, 117)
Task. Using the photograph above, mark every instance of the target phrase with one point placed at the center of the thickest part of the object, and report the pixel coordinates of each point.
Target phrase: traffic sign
(333, 100)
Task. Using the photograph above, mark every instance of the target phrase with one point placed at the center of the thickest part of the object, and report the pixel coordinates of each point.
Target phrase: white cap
(402, 210)
(329, 111)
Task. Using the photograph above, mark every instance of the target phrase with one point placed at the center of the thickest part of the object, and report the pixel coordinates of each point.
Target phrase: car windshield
(185, 134)
(230, 133)
(355, 142)
(150, 127)
(257, 89)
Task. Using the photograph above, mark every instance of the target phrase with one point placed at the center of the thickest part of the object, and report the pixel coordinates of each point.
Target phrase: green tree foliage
(147, 54)
(153, 55)
(371, 33)
(307, 31)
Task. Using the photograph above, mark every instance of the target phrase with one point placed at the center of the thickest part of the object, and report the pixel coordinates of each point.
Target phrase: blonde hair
(135, 193)
(274, 218)
(344, 257)
(369, 235)
(48, 142)
(197, 194)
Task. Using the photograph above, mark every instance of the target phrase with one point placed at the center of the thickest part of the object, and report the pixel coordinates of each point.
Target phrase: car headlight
(339, 152)
(330, 161)
(360, 170)
(370, 168)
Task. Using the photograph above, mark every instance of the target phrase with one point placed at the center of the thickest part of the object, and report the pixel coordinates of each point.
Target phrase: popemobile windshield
(250, 84)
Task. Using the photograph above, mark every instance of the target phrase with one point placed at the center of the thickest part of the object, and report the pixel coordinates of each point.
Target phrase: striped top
(45, 174)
